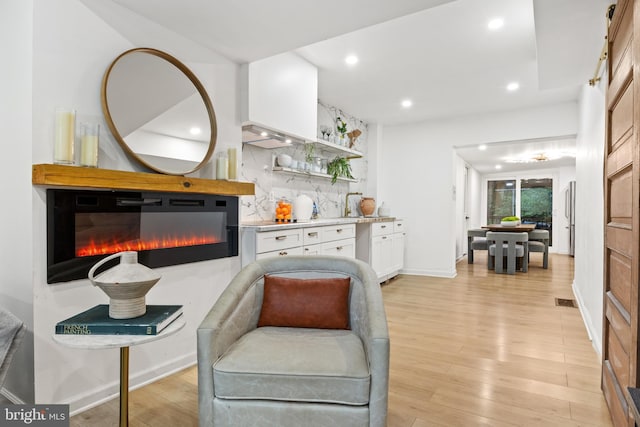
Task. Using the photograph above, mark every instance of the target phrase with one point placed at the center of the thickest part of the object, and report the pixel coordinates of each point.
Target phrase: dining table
(510, 228)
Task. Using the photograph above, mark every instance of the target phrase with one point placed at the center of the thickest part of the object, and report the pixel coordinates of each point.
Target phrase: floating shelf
(79, 177)
(312, 174)
(330, 147)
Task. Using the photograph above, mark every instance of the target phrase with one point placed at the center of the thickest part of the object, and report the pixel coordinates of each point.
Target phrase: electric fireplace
(83, 226)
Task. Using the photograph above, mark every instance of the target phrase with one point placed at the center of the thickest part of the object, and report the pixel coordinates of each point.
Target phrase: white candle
(65, 136)
(222, 164)
(89, 151)
(233, 171)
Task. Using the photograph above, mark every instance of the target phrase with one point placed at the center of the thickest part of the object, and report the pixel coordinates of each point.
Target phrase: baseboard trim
(433, 273)
(588, 322)
(110, 391)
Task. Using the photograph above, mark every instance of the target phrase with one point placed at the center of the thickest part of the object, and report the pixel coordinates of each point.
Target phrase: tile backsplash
(273, 185)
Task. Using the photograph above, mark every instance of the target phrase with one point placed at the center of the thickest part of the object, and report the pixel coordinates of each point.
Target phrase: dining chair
(539, 242)
(510, 245)
(476, 241)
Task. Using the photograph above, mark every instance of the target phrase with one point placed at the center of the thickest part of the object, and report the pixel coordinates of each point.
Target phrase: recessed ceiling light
(195, 131)
(495, 24)
(482, 147)
(351, 60)
(498, 166)
(513, 86)
(406, 103)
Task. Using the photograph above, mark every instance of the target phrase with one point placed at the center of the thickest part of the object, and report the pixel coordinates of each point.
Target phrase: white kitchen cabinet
(381, 245)
(337, 239)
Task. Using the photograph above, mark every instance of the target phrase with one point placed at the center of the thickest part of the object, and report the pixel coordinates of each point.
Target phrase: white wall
(71, 49)
(417, 176)
(16, 293)
(561, 177)
(589, 252)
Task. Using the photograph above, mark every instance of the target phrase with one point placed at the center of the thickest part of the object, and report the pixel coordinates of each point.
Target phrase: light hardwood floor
(478, 350)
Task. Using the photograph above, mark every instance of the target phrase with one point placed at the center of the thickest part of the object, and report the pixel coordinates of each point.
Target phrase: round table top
(115, 341)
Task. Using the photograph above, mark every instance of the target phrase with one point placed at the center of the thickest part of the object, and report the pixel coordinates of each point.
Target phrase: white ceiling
(438, 53)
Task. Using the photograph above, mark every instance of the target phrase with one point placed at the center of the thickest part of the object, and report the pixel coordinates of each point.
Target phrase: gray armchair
(287, 376)
(12, 331)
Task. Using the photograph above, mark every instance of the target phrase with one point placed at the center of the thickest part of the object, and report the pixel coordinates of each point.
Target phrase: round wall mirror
(158, 111)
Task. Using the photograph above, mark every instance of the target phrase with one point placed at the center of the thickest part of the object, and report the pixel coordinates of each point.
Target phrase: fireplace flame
(106, 248)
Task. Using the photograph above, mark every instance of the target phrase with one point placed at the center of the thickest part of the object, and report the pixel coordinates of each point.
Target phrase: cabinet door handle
(313, 234)
(281, 237)
(383, 226)
(339, 248)
(283, 253)
(384, 237)
(398, 225)
(339, 230)
(306, 249)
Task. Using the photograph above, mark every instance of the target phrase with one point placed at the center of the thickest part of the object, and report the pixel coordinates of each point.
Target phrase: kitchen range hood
(266, 137)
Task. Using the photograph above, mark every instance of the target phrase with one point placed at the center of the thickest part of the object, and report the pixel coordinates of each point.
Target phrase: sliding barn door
(620, 327)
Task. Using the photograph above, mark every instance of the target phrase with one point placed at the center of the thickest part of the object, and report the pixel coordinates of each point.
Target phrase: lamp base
(127, 308)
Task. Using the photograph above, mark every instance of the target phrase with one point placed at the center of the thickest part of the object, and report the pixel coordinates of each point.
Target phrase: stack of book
(96, 321)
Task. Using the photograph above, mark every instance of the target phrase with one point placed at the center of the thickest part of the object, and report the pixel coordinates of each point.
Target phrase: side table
(123, 342)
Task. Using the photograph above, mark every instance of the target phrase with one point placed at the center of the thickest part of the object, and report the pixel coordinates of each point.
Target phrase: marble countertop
(272, 225)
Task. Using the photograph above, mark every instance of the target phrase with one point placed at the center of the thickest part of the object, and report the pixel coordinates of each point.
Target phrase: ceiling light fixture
(482, 147)
(351, 60)
(513, 86)
(498, 166)
(541, 156)
(406, 103)
(495, 24)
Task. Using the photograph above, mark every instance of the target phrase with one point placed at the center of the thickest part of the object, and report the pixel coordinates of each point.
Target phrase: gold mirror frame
(194, 80)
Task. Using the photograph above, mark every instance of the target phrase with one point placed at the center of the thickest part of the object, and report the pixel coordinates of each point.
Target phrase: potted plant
(339, 167)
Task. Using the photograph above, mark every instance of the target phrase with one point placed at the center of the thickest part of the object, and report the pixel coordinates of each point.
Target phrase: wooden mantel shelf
(74, 176)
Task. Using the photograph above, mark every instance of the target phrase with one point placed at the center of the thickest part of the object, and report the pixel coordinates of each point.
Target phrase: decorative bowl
(509, 223)
(284, 160)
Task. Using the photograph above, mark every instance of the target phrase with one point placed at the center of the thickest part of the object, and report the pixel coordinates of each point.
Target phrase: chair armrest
(234, 314)
(369, 322)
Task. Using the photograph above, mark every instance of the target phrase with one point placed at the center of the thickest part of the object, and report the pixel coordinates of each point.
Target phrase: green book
(96, 321)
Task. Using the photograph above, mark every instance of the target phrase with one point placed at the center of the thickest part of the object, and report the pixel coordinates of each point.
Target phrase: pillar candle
(233, 165)
(65, 136)
(89, 144)
(89, 150)
(222, 164)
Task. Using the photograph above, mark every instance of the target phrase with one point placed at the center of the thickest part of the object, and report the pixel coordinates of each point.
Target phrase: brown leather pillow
(305, 303)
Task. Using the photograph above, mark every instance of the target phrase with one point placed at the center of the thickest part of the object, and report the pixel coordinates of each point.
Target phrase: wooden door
(620, 326)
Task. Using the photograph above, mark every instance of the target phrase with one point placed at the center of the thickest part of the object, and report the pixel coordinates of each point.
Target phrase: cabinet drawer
(338, 232)
(381, 228)
(283, 252)
(398, 226)
(312, 235)
(313, 249)
(344, 247)
(269, 241)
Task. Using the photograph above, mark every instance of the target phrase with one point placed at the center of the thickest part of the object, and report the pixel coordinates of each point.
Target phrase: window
(501, 200)
(530, 199)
